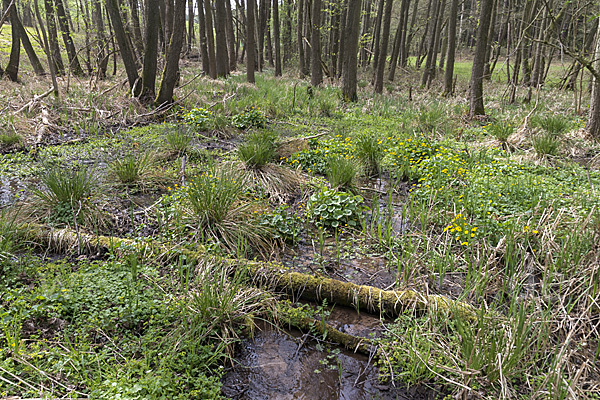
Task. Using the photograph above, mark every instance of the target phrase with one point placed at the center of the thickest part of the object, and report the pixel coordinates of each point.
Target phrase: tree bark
(222, 56)
(431, 49)
(303, 69)
(449, 74)
(33, 58)
(12, 69)
(137, 31)
(203, 41)
(63, 22)
(53, 37)
(350, 64)
(51, 65)
(316, 73)
(593, 125)
(112, 6)
(191, 29)
(277, 37)
(151, 51)
(210, 39)
(231, 47)
(476, 106)
(387, 19)
(250, 44)
(171, 72)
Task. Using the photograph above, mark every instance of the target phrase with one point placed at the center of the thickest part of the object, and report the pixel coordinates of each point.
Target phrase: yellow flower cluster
(461, 230)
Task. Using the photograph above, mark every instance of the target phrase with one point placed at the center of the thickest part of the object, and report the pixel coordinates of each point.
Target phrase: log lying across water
(272, 276)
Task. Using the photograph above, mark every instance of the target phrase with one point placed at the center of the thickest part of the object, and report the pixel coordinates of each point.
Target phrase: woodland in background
(324, 40)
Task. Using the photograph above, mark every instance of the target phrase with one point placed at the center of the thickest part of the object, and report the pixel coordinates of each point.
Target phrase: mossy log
(269, 275)
(354, 343)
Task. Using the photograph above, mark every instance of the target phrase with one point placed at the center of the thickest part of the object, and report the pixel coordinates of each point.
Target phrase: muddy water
(9, 188)
(281, 365)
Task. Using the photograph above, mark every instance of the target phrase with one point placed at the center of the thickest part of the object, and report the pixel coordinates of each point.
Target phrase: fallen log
(273, 276)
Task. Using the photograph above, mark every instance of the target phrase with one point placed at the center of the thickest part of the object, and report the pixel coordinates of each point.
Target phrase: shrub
(332, 209)
(341, 172)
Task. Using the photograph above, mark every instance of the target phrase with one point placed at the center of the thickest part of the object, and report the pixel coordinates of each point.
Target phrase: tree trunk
(191, 29)
(476, 106)
(137, 31)
(387, 19)
(430, 63)
(250, 44)
(171, 71)
(449, 74)
(151, 51)
(316, 73)
(53, 37)
(277, 37)
(593, 125)
(303, 70)
(33, 58)
(12, 69)
(342, 38)
(63, 22)
(376, 37)
(231, 47)
(262, 22)
(350, 64)
(222, 56)
(210, 39)
(51, 65)
(112, 6)
(203, 41)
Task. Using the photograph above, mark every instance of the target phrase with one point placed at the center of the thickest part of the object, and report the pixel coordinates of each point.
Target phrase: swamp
(277, 238)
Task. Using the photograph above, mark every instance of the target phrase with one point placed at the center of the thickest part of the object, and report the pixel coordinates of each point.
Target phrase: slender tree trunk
(429, 63)
(63, 22)
(210, 39)
(51, 64)
(53, 37)
(151, 51)
(262, 22)
(476, 106)
(387, 19)
(376, 38)
(12, 70)
(593, 125)
(316, 75)
(203, 41)
(33, 58)
(449, 74)
(191, 28)
(112, 6)
(303, 70)
(350, 64)
(342, 41)
(169, 6)
(250, 44)
(277, 37)
(171, 72)
(137, 30)
(231, 46)
(269, 44)
(222, 56)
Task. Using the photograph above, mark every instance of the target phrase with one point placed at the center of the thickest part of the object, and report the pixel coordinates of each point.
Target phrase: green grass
(258, 149)
(133, 168)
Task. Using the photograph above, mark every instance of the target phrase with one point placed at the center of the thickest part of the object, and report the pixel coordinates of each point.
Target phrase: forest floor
(170, 254)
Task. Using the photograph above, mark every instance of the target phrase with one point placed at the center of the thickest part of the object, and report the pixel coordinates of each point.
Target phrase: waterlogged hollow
(287, 365)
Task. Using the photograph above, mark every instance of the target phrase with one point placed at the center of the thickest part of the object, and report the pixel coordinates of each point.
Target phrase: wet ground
(289, 365)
